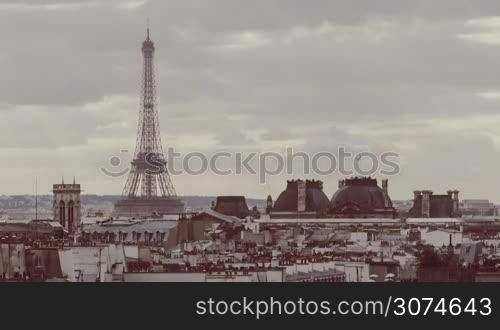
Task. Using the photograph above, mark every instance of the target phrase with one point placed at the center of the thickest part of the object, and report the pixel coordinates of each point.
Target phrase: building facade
(426, 204)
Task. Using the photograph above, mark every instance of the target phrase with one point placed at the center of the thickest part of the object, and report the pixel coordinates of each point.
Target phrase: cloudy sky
(420, 78)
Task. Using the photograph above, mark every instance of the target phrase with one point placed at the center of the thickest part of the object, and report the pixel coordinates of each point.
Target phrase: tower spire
(147, 38)
(148, 177)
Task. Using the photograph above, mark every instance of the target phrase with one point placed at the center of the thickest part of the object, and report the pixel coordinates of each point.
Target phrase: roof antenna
(36, 197)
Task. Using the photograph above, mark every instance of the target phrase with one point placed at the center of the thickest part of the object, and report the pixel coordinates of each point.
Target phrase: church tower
(66, 205)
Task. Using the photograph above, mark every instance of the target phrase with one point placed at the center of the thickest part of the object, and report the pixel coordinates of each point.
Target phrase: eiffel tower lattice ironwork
(148, 178)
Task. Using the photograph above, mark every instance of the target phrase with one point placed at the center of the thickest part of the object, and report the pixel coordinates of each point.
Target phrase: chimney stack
(385, 186)
(416, 194)
(426, 203)
(341, 183)
(455, 201)
(269, 205)
(301, 196)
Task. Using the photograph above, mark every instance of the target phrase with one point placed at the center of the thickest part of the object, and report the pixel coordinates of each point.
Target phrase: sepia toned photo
(250, 141)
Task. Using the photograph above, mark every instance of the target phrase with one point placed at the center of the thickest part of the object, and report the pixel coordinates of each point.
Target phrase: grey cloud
(369, 74)
(230, 136)
(278, 134)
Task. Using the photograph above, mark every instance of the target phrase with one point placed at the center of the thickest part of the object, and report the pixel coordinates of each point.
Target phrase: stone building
(304, 199)
(361, 197)
(66, 205)
(426, 204)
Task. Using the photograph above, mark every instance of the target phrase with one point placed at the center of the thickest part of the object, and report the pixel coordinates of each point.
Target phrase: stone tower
(269, 204)
(66, 205)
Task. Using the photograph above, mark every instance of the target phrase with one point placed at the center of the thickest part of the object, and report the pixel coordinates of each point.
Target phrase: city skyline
(417, 80)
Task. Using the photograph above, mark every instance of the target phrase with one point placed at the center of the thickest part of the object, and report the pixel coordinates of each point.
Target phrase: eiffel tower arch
(149, 189)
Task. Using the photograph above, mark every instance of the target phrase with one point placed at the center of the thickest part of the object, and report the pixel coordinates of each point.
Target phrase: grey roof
(217, 215)
(232, 205)
(316, 200)
(364, 193)
(137, 226)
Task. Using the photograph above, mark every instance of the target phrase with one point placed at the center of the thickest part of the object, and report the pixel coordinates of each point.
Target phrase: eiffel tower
(149, 189)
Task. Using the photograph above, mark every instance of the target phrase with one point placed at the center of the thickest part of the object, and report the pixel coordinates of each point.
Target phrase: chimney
(269, 205)
(341, 183)
(416, 194)
(301, 196)
(455, 201)
(426, 203)
(385, 186)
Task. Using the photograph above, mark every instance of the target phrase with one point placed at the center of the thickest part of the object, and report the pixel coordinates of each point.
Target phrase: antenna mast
(36, 197)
